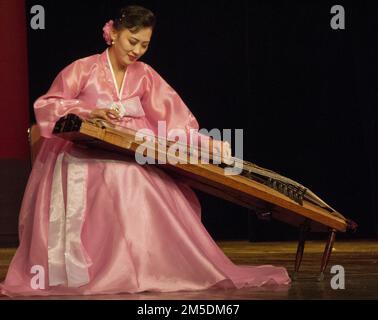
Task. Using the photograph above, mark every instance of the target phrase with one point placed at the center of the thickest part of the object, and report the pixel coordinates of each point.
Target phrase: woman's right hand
(105, 113)
(221, 149)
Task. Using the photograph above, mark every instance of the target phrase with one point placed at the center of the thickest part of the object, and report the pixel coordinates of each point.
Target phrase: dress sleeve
(162, 103)
(62, 98)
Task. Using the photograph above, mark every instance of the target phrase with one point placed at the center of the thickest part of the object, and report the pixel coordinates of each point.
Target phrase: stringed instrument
(263, 191)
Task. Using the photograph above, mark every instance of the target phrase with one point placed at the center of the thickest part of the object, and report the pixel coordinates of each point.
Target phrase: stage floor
(358, 258)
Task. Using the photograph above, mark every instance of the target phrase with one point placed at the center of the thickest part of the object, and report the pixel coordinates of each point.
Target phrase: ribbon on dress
(67, 259)
(131, 107)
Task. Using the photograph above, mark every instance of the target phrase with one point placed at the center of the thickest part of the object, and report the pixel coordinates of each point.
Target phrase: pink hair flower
(107, 28)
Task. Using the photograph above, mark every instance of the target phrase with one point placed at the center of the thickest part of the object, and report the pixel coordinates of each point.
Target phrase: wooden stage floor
(358, 258)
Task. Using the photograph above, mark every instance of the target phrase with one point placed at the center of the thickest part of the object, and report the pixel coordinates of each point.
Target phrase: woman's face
(128, 46)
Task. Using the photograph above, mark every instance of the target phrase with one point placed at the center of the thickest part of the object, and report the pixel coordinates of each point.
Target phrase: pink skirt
(94, 224)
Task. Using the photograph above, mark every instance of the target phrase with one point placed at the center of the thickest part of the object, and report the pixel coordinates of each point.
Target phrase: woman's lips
(131, 57)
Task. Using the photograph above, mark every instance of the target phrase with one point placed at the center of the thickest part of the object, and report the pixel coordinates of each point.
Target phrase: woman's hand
(106, 114)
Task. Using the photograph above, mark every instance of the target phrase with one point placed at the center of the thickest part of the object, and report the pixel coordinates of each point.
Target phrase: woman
(92, 224)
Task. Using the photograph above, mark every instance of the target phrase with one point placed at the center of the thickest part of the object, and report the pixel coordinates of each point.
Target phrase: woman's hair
(134, 18)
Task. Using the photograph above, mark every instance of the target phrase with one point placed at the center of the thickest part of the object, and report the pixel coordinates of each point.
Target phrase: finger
(114, 113)
(93, 114)
(96, 115)
(217, 146)
(101, 114)
(107, 118)
(227, 147)
(226, 153)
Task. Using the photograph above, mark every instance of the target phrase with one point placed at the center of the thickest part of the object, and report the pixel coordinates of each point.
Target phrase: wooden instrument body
(209, 178)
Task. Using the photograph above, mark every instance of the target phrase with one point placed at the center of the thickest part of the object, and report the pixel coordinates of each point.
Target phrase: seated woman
(93, 224)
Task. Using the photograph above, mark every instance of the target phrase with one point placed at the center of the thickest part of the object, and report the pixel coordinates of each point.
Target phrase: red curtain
(14, 97)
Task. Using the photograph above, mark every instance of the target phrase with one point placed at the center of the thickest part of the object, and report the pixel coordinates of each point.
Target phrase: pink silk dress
(92, 223)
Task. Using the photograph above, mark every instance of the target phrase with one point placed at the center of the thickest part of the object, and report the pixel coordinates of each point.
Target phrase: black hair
(134, 18)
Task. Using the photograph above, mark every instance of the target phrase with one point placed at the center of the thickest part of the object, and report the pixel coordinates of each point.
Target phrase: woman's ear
(113, 34)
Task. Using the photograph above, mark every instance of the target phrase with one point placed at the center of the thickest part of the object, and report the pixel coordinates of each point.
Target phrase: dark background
(304, 94)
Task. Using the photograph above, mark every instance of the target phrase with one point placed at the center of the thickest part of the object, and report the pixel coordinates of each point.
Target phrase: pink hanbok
(93, 223)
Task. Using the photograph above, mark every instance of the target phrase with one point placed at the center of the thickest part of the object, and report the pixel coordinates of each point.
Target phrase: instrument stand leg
(327, 253)
(305, 227)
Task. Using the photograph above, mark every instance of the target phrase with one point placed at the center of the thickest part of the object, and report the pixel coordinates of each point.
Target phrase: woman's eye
(133, 43)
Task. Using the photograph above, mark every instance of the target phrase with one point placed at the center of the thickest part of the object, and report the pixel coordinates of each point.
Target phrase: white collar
(119, 91)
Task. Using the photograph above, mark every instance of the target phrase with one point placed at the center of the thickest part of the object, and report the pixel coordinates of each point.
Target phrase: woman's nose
(137, 50)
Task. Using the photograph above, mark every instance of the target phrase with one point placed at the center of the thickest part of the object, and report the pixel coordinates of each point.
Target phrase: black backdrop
(304, 94)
